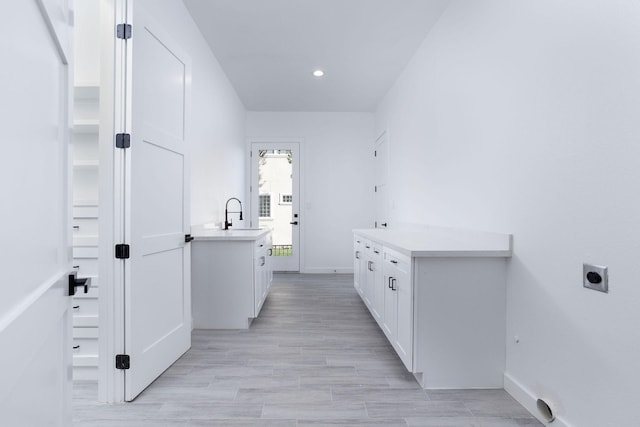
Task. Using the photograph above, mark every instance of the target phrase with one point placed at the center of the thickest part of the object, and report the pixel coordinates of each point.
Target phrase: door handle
(74, 282)
(294, 223)
(188, 238)
(393, 285)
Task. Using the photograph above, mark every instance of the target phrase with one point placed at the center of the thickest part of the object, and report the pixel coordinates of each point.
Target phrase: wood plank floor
(315, 357)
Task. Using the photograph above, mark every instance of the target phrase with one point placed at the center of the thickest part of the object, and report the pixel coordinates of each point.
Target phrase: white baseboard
(528, 399)
(327, 271)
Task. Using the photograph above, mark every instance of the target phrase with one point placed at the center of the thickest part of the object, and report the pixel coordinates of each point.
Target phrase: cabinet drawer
(396, 259)
(261, 244)
(86, 267)
(85, 347)
(376, 252)
(85, 227)
(85, 307)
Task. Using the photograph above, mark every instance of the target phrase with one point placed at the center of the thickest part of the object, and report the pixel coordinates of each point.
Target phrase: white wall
(522, 117)
(216, 128)
(337, 150)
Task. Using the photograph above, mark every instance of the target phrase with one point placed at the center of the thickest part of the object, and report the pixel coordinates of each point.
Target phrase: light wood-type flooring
(314, 357)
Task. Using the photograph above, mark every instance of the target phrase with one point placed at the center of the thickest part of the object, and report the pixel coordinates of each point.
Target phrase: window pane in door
(275, 177)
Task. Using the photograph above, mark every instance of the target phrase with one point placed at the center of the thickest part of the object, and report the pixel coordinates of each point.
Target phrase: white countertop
(212, 232)
(442, 242)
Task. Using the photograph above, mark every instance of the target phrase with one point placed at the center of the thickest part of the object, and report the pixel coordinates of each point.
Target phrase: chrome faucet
(227, 222)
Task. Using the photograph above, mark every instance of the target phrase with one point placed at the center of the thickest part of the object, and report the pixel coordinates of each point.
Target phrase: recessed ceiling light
(318, 73)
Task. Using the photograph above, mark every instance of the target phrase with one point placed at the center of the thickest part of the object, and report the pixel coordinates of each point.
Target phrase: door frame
(110, 218)
(301, 186)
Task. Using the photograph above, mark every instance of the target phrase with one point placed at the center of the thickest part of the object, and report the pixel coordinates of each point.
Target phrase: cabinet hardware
(393, 261)
(370, 265)
(376, 252)
(188, 238)
(357, 254)
(270, 252)
(389, 285)
(75, 307)
(367, 246)
(75, 347)
(76, 227)
(76, 267)
(393, 285)
(263, 261)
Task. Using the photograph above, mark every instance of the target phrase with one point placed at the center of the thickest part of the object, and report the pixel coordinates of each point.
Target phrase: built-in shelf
(86, 126)
(85, 241)
(85, 164)
(88, 92)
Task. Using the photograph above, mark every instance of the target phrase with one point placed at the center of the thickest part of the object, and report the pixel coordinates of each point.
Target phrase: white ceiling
(269, 48)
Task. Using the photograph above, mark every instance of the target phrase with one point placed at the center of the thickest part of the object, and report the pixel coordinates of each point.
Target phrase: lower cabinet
(443, 314)
(230, 280)
(261, 274)
(397, 319)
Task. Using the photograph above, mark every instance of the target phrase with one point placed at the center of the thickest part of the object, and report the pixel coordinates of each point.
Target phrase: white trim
(111, 336)
(528, 399)
(327, 271)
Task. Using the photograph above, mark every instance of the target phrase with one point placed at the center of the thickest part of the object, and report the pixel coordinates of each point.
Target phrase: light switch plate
(595, 277)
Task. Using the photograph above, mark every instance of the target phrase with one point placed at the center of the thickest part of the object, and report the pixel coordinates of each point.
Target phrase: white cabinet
(368, 275)
(262, 273)
(397, 319)
(442, 301)
(230, 276)
(85, 230)
(357, 264)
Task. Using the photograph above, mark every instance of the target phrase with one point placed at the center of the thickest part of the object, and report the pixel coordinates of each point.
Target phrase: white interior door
(35, 225)
(381, 178)
(275, 199)
(157, 280)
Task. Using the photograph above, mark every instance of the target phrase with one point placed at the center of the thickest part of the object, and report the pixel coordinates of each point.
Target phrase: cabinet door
(357, 261)
(389, 307)
(377, 285)
(404, 317)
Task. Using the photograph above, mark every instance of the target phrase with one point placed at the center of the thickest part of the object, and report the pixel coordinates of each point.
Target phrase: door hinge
(123, 361)
(123, 31)
(122, 251)
(123, 140)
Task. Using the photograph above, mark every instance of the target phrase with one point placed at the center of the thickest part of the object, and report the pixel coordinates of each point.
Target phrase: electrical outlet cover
(595, 277)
